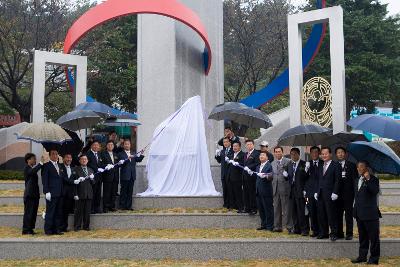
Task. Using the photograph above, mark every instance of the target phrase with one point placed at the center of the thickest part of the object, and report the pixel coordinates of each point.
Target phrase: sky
(393, 7)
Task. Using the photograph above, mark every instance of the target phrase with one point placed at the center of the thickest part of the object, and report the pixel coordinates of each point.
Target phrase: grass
(11, 232)
(12, 181)
(392, 261)
(12, 193)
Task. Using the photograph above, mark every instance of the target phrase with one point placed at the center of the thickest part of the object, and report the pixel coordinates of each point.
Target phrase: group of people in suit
(309, 198)
(86, 187)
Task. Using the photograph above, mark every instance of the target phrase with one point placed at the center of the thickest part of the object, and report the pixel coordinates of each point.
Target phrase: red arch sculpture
(112, 9)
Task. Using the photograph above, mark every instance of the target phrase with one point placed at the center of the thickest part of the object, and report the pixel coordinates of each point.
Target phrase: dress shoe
(252, 213)
(241, 211)
(314, 234)
(277, 230)
(113, 209)
(58, 233)
(305, 234)
(261, 228)
(372, 262)
(77, 229)
(48, 233)
(86, 229)
(349, 237)
(358, 260)
(26, 232)
(322, 237)
(333, 238)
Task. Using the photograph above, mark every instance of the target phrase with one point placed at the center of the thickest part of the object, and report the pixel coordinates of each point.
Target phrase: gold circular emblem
(317, 102)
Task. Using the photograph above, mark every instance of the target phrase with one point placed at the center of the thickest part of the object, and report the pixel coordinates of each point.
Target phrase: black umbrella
(223, 111)
(343, 139)
(304, 135)
(78, 120)
(73, 146)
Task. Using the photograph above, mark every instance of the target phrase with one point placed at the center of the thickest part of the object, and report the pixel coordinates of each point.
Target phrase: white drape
(178, 163)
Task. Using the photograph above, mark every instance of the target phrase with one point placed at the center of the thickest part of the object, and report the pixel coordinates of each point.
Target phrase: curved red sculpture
(112, 9)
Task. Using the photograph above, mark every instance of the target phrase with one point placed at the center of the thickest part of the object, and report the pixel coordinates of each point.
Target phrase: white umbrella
(44, 132)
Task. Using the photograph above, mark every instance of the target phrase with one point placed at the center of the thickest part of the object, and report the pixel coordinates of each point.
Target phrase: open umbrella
(78, 120)
(385, 127)
(343, 138)
(121, 122)
(101, 109)
(44, 132)
(304, 135)
(222, 111)
(380, 157)
(73, 146)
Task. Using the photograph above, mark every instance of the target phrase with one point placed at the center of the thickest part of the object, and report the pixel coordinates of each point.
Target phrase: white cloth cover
(178, 163)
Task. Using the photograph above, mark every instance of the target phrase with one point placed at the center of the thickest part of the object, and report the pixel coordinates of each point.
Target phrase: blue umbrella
(385, 127)
(380, 157)
(100, 108)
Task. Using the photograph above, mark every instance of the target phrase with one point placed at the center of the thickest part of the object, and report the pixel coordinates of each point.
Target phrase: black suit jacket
(128, 169)
(264, 185)
(311, 186)
(329, 183)
(221, 159)
(366, 202)
(83, 190)
(31, 181)
(252, 161)
(235, 139)
(346, 183)
(113, 174)
(68, 182)
(94, 164)
(235, 173)
(297, 179)
(52, 181)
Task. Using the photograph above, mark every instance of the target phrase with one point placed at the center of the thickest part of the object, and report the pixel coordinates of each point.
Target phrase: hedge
(11, 175)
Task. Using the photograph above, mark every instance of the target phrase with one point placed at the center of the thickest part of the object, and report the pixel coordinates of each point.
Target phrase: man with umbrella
(52, 188)
(367, 214)
(344, 204)
(230, 134)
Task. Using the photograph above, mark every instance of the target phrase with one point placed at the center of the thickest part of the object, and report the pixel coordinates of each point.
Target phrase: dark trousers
(115, 185)
(368, 232)
(345, 206)
(326, 215)
(108, 195)
(53, 219)
(30, 213)
(313, 214)
(68, 208)
(235, 194)
(225, 192)
(266, 211)
(96, 203)
(249, 190)
(298, 215)
(125, 198)
(82, 214)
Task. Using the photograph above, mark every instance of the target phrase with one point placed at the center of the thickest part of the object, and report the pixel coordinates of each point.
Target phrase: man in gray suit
(281, 191)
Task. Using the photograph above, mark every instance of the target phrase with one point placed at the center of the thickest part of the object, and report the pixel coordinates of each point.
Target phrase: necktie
(68, 171)
(325, 167)
(360, 181)
(112, 157)
(95, 154)
(56, 166)
(85, 171)
(226, 151)
(315, 164)
(248, 155)
(294, 172)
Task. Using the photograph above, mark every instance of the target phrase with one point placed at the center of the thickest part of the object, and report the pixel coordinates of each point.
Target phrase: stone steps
(168, 220)
(196, 249)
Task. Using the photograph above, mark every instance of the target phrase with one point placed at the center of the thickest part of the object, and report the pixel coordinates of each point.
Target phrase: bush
(11, 175)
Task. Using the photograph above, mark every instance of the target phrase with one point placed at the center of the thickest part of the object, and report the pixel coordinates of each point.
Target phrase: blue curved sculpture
(281, 83)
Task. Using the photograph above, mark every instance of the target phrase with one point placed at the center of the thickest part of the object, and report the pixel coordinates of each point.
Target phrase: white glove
(76, 197)
(77, 181)
(121, 162)
(217, 152)
(100, 170)
(285, 174)
(91, 176)
(307, 166)
(48, 196)
(316, 196)
(261, 175)
(250, 172)
(246, 169)
(235, 163)
(334, 197)
(304, 193)
(231, 161)
(81, 179)
(109, 167)
(226, 159)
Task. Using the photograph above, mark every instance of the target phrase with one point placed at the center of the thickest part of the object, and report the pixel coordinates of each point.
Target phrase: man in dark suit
(264, 192)
(127, 174)
(230, 134)
(297, 178)
(251, 161)
(367, 214)
(234, 182)
(52, 188)
(31, 194)
(264, 148)
(84, 180)
(220, 157)
(95, 163)
(344, 204)
(68, 190)
(311, 186)
(327, 194)
(110, 177)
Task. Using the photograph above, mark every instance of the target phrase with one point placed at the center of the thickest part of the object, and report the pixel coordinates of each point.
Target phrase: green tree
(372, 49)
